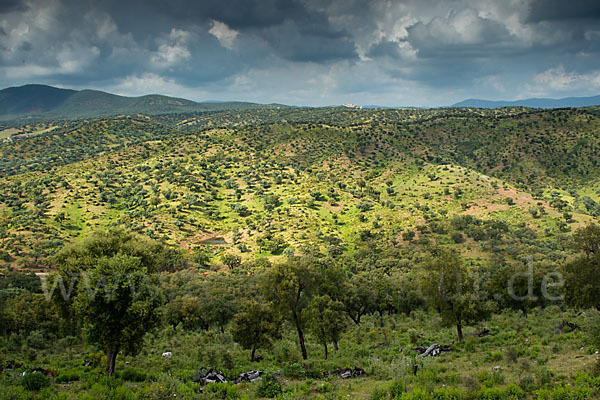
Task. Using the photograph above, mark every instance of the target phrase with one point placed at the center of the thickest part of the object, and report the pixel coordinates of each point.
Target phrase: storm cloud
(306, 52)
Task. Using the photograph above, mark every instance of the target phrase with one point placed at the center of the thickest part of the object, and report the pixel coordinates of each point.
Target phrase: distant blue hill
(533, 103)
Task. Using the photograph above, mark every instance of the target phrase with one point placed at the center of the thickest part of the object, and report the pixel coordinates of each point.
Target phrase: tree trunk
(302, 344)
(111, 358)
(253, 351)
(324, 351)
(335, 345)
(356, 319)
(459, 331)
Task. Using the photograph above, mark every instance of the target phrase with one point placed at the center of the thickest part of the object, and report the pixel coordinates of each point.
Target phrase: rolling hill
(40, 102)
(257, 181)
(532, 103)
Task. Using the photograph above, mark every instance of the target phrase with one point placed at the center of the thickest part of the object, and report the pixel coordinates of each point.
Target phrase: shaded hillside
(40, 102)
(31, 99)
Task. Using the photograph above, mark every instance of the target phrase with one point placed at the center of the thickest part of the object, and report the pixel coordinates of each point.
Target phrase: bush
(408, 235)
(510, 392)
(70, 375)
(416, 394)
(132, 375)
(36, 340)
(34, 381)
(225, 391)
(294, 370)
(396, 389)
(493, 357)
(413, 336)
(124, 393)
(491, 393)
(13, 393)
(565, 393)
(457, 237)
(448, 394)
(470, 344)
(379, 394)
(312, 369)
(364, 206)
(325, 387)
(513, 392)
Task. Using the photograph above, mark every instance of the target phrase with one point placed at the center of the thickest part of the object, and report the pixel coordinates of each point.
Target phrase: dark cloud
(11, 5)
(320, 51)
(555, 10)
(297, 44)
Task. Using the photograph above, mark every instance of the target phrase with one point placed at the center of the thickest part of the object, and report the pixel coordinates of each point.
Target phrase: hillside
(260, 182)
(40, 102)
(532, 103)
(31, 99)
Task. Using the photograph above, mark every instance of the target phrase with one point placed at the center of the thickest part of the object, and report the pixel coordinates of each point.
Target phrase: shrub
(448, 394)
(527, 382)
(413, 336)
(13, 393)
(36, 340)
(69, 375)
(490, 393)
(269, 387)
(132, 375)
(294, 370)
(416, 394)
(565, 393)
(396, 389)
(470, 344)
(495, 356)
(408, 235)
(34, 381)
(510, 392)
(312, 369)
(457, 237)
(225, 391)
(364, 206)
(513, 392)
(325, 387)
(379, 394)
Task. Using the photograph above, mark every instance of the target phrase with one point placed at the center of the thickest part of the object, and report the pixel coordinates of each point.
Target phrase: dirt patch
(520, 198)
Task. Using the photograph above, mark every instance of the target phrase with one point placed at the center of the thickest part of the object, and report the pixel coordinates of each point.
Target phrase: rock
(346, 373)
(250, 376)
(434, 350)
(204, 378)
(167, 354)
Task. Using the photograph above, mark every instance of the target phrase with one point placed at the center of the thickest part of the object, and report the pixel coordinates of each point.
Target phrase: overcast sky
(306, 52)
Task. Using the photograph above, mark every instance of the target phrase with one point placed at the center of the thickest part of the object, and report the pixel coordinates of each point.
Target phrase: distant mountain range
(41, 102)
(46, 102)
(533, 103)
